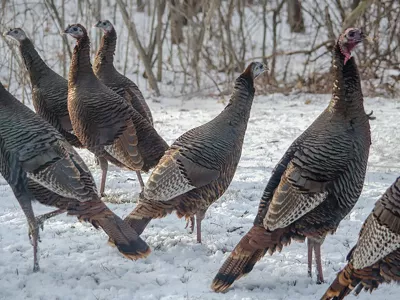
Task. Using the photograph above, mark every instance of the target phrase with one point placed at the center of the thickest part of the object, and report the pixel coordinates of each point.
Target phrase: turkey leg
(315, 245)
(310, 246)
(104, 167)
(199, 217)
(40, 219)
(26, 206)
(317, 250)
(139, 176)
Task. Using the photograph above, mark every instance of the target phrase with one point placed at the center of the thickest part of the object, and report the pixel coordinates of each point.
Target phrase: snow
(77, 263)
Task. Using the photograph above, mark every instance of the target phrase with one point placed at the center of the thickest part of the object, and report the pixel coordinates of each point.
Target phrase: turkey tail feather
(140, 217)
(124, 238)
(251, 248)
(128, 242)
(143, 213)
(235, 267)
(138, 224)
(344, 283)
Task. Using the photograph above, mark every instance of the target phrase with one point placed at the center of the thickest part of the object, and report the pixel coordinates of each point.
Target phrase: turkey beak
(5, 33)
(264, 68)
(97, 24)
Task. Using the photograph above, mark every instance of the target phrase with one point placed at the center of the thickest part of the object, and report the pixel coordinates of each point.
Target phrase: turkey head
(350, 38)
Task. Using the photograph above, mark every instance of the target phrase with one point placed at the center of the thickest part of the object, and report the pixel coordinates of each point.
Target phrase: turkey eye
(104, 23)
(15, 31)
(75, 29)
(351, 34)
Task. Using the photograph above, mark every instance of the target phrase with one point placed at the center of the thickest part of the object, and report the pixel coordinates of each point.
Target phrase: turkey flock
(313, 187)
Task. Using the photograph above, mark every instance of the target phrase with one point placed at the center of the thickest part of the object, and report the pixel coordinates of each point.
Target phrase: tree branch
(356, 13)
(134, 36)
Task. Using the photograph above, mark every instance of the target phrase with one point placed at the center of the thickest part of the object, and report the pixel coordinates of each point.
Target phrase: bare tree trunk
(354, 4)
(192, 8)
(65, 50)
(264, 47)
(52, 9)
(128, 54)
(275, 37)
(329, 26)
(221, 32)
(234, 60)
(176, 22)
(153, 33)
(198, 45)
(242, 18)
(140, 5)
(159, 41)
(295, 16)
(134, 36)
(3, 5)
(356, 13)
(97, 17)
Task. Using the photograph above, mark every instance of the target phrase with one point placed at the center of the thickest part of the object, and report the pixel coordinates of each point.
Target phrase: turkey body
(375, 258)
(315, 184)
(212, 163)
(49, 92)
(199, 166)
(150, 145)
(104, 122)
(39, 164)
(105, 71)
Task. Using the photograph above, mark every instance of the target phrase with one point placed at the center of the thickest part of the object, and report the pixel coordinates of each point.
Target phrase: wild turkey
(105, 71)
(49, 90)
(199, 166)
(375, 258)
(103, 121)
(318, 180)
(39, 164)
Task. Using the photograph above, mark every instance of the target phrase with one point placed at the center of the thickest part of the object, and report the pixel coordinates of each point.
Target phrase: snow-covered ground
(77, 263)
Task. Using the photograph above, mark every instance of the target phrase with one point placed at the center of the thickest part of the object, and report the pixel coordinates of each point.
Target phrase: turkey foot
(191, 221)
(96, 160)
(370, 116)
(33, 233)
(34, 239)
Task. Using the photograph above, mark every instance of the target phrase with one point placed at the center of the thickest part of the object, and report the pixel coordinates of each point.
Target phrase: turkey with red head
(318, 180)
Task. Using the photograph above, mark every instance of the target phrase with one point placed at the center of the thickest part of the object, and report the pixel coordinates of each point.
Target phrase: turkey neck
(80, 63)
(105, 56)
(34, 64)
(3, 94)
(346, 94)
(241, 100)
